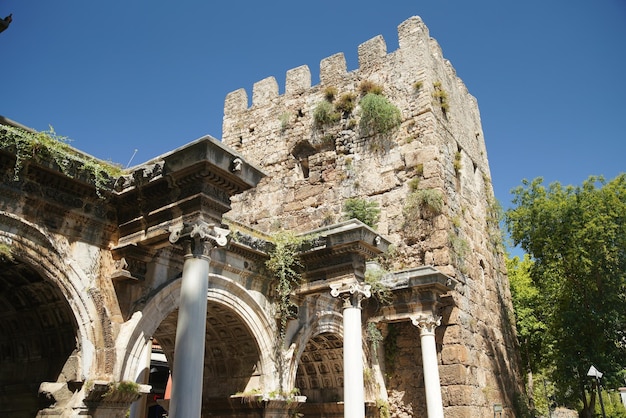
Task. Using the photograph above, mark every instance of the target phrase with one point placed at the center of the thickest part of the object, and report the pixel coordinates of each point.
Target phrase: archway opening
(232, 361)
(320, 371)
(37, 336)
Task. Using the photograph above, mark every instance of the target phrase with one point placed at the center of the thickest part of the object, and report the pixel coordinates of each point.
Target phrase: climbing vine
(374, 336)
(284, 267)
(380, 291)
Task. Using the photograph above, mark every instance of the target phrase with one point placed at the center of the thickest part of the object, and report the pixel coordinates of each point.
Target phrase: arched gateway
(110, 277)
(94, 277)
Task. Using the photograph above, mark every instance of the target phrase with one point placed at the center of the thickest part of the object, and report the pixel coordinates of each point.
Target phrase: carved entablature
(139, 177)
(73, 207)
(416, 291)
(341, 250)
(195, 181)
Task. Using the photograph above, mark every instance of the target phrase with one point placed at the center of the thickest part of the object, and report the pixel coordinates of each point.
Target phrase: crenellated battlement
(418, 60)
(371, 54)
(413, 35)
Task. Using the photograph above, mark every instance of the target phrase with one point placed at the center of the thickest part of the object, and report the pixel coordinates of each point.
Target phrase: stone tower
(430, 177)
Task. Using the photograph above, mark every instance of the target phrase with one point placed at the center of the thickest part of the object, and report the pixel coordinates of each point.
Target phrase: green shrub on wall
(441, 97)
(346, 103)
(423, 203)
(325, 114)
(378, 115)
(50, 148)
(368, 86)
(363, 210)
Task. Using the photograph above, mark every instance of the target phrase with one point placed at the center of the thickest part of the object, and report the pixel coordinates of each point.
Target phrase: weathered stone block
(453, 374)
(307, 191)
(467, 412)
(454, 354)
(459, 395)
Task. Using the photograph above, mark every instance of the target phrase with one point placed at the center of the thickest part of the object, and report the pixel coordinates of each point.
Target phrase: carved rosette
(426, 323)
(198, 238)
(352, 293)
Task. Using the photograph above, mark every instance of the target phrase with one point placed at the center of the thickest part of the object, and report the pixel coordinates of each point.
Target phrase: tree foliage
(527, 303)
(576, 237)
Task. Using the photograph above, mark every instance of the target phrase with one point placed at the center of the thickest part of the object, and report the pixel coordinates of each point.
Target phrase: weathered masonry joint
(140, 291)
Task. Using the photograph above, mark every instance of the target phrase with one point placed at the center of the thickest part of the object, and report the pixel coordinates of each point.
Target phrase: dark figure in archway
(4, 23)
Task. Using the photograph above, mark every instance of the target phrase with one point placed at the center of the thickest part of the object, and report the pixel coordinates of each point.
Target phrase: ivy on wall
(49, 149)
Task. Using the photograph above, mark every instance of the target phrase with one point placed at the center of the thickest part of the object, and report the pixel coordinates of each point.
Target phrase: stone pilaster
(353, 387)
(427, 325)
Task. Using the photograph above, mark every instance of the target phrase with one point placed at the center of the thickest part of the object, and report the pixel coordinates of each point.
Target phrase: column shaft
(431, 376)
(434, 403)
(353, 388)
(187, 376)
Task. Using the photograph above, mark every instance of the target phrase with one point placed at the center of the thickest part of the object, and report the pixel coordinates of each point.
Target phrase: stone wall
(438, 149)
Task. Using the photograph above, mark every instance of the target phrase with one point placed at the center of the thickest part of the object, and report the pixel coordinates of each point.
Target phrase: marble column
(427, 325)
(187, 374)
(353, 386)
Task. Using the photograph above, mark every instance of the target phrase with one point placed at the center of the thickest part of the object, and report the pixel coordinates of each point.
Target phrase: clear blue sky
(115, 76)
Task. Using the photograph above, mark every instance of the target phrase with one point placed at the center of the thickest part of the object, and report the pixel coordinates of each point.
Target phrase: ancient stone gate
(97, 266)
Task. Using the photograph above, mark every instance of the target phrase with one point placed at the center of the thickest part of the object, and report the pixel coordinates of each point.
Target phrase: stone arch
(49, 326)
(317, 369)
(225, 297)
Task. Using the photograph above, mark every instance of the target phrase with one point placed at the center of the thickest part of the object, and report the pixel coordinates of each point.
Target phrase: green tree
(528, 310)
(576, 237)
(530, 324)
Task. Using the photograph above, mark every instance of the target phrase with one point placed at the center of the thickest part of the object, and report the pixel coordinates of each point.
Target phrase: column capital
(198, 238)
(352, 293)
(426, 323)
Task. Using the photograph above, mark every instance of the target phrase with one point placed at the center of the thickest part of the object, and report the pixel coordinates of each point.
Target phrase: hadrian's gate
(409, 317)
